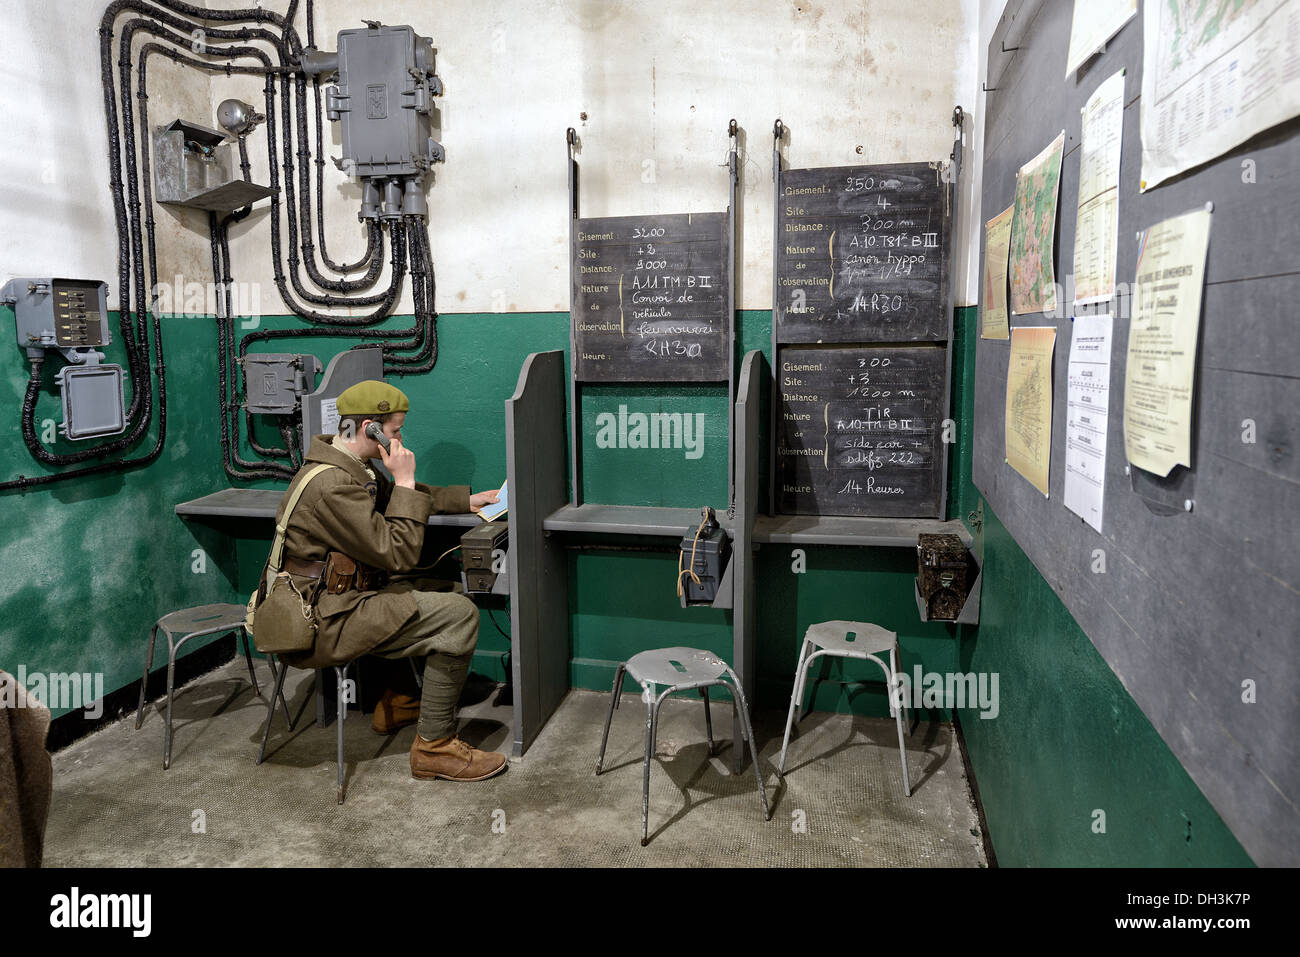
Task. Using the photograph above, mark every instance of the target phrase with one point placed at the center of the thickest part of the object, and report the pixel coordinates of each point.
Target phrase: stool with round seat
(850, 639)
(677, 669)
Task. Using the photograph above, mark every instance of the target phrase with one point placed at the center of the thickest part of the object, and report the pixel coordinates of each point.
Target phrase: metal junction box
(194, 166)
(383, 100)
(275, 382)
(59, 313)
(92, 401)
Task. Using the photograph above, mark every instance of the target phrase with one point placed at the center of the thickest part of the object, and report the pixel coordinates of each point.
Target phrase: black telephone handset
(376, 432)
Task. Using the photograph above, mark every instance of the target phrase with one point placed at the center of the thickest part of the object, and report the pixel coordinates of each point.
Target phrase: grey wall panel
(536, 471)
(1190, 604)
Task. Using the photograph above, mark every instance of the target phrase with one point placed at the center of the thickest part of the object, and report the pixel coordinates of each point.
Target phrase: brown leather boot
(394, 711)
(453, 760)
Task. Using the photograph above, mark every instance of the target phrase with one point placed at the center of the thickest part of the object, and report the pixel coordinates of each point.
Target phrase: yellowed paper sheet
(1162, 343)
(1095, 22)
(1214, 73)
(997, 244)
(1096, 237)
(1029, 403)
(1033, 228)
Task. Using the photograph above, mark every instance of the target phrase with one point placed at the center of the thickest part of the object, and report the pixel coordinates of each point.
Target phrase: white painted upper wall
(658, 82)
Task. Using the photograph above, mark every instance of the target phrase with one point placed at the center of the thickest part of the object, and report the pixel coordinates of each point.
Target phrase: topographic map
(1194, 31)
(1032, 274)
(1215, 73)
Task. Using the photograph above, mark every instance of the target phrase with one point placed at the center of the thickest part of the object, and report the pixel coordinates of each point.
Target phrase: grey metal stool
(850, 639)
(193, 623)
(340, 672)
(679, 669)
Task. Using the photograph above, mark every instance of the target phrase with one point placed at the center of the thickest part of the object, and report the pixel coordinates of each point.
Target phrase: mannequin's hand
(479, 499)
(400, 462)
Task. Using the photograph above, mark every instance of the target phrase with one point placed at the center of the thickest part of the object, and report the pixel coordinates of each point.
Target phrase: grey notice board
(651, 297)
(1197, 612)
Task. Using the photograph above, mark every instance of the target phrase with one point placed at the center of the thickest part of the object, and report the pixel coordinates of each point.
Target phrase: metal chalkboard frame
(952, 179)
(575, 411)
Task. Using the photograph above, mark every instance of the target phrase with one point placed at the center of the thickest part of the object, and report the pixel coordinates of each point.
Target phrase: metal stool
(850, 639)
(340, 672)
(193, 623)
(680, 669)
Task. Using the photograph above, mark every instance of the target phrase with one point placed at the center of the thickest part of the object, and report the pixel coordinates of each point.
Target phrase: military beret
(372, 397)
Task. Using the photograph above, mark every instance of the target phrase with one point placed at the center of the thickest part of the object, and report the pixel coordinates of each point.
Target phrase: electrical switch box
(274, 382)
(59, 313)
(92, 401)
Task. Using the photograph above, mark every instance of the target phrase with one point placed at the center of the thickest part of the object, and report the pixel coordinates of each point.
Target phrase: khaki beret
(372, 397)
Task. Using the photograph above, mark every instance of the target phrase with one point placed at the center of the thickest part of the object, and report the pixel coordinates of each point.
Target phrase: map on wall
(1215, 73)
(1033, 227)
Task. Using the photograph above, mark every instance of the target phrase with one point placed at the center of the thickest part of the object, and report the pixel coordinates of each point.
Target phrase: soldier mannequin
(380, 525)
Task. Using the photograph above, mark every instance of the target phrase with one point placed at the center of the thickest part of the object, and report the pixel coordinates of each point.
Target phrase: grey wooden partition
(1196, 610)
(539, 603)
(748, 461)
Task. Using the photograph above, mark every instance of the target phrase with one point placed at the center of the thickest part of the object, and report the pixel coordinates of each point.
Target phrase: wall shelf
(591, 519)
(848, 530)
(263, 502)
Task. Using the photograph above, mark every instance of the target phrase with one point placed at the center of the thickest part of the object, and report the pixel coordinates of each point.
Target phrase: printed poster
(1162, 343)
(1033, 274)
(1096, 237)
(1095, 22)
(1086, 419)
(997, 243)
(1029, 403)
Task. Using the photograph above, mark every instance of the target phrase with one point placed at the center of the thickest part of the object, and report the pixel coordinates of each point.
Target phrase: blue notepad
(489, 512)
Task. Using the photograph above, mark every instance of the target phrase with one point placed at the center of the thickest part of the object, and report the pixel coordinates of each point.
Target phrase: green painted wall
(93, 562)
(1068, 740)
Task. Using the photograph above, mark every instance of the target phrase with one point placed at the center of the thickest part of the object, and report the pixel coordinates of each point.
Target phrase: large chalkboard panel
(650, 298)
(862, 254)
(859, 430)
(1191, 604)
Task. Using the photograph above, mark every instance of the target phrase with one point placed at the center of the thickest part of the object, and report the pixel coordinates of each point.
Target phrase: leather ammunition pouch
(339, 573)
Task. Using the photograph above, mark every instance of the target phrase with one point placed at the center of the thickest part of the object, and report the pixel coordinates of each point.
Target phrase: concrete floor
(841, 804)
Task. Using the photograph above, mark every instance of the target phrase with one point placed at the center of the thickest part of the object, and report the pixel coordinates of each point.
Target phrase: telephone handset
(376, 432)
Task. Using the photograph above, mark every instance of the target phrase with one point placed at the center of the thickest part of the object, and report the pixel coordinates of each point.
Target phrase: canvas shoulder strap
(277, 547)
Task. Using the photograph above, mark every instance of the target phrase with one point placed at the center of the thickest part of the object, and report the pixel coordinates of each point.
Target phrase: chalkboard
(650, 298)
(1187, 605)
(859, 430)
(862, 254)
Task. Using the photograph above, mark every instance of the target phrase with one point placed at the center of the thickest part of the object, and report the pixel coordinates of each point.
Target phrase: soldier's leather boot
(394, 711)
(453, 760)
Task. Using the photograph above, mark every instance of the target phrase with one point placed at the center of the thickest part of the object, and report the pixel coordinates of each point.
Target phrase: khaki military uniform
(366, 516)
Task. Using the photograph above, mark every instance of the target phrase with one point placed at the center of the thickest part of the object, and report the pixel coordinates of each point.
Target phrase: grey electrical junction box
(275, 382)
(92, 401)
(70, 316)
(194, 166)
(59, 313)
(383, 100)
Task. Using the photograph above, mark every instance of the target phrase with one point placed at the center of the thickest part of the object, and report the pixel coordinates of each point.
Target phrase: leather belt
(306, 569)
